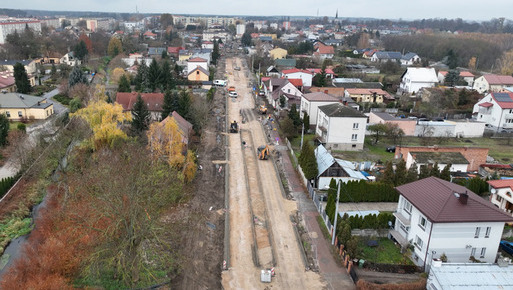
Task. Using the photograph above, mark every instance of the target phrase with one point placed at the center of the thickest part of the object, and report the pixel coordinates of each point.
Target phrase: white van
(220, 83)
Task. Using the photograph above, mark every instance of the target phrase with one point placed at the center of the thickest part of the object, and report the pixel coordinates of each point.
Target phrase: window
(509, 121)
(497, 197)
(8, 114)
(355, 125)
(20, 114)
(487, 233)
(418, 242)
(476, 235)
(483, 252)
(353, 146)
(407, 206)
(354, 137)
(422, 222)
(473, 252)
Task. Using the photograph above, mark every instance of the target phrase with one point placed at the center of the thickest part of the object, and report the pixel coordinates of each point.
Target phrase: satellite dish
(493, 191)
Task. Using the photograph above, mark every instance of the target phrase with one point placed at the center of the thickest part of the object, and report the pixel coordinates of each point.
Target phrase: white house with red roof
(275, 88)
(416, 78)
(193, 63)
(329, 72)
(311, 101)
(502, 194)
(496, 110)
(323, 51)
(302, 74)
(492, 83)
(438, 217)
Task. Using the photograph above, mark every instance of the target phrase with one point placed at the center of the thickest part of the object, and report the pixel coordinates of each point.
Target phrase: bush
(362, 191)
(22, 127)
(62, 99)
(371, 221)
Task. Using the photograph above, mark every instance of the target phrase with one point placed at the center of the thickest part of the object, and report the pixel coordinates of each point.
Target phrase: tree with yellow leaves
(116, 74)
(104, 120)
(166, 143)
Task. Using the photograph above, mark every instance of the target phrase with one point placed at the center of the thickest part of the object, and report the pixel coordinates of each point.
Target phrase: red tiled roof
(486, 104)
(504, 105)
(149, 33)
(318, 70)
(435, 198)
(498, 79)
(295, 70)
(465, 74)
(296, 82)
(501, 183)
(154, 101)
(326, 49)
(6, 79)
(197, 59)
(174, 49)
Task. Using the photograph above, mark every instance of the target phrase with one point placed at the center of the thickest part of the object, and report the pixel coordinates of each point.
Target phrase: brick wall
(475, 156)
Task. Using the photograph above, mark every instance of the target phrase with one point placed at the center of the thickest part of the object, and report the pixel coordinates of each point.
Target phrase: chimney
(463, 198)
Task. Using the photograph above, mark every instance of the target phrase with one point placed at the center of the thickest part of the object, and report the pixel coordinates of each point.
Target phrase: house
(150, 35)
(475, 156)
(275, 88)
(428, 159)
(323, 51)
(184, 129)
(496, 110)
(154, 102)
(328, 71)
(18, 106)
(295, 73)
(199, 74)
(336, 92)
(410, 58)
(384, 56)
(278, 53)
(488, 170)
(272, 71)
(340, 127)
(492, 83)
(349, 83)
(333, 168)
(311, 101)
(416, 78)
(7, 82)
(285, 62)
(207, 45)
(501, 194)
(467, 76)
(70, 59)
(156, 51)
(438, 217)
(193, 63)
(376, 96)
(470, 275)
(405, 124)
(30, 65)
(173, 51)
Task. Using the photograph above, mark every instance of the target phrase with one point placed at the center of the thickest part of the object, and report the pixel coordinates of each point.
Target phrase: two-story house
(436, 217)
(154, 102)
(492, 83)
(311, 101)
(340, 127)
(416, 78)
(305, 75)
(376, 96)
(502, 194)
(496, 110)
(275, 88)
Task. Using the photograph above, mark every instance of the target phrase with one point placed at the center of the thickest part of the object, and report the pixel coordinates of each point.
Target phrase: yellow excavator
(234, 127)
(263, 152)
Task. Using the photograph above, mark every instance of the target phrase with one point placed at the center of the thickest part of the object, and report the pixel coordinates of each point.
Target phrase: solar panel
(503, 97)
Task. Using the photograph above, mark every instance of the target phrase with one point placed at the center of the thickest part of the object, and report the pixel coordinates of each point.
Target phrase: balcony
(404, 220)
(323, 129)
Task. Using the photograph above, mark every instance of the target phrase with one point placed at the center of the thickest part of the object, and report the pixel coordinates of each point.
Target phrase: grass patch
(14, 125)
(385, 253)
(323, 227)
(62, 99)
(296, 142)
(13, 228)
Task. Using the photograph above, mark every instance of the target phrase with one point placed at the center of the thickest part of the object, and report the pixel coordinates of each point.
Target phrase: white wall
(193, 65)
(340, 131)
(311, 109)
(481, 85)
(307, 78)
(494, 115)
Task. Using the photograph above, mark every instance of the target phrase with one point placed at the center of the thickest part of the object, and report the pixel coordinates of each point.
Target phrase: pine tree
(215, 53)
(170, 103)
(141, 116)
(154, 75)
(76, 77)
(306, 121)
(308, 161)
(294, 116)
(446, 172)
(435, 170)
(21, 79)
(400, 175)
(124, 84)
(141, 79)
(167, 81)
(412, 174)
(388, 174)
(4, 129)
(424, 172)
(184, 105)
(332, 200)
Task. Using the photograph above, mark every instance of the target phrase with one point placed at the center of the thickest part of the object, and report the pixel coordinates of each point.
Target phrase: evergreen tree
(4, 129)
(332, 200)
(400, 175)
(154, 77)
(80, 50)
(435, 170)
(141, 116)
(170, 103)
(215, 53)
(76, 77)
(446, 172)
(167, 81)
(308, 161)
(412, 174)
(141, 78)
(424, 172)
(294, 116)
(21, 79)
(124, 84)
(306, 121)
(184, 105)
(452, 59)
(388, 174)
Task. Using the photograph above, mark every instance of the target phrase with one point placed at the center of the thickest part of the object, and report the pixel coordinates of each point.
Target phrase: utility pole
(302, 134)
(336, 215)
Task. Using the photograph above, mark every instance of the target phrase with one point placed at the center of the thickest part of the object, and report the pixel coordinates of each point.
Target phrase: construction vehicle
(231, 89)
(262, 109)
(263, 152)
(234, 127)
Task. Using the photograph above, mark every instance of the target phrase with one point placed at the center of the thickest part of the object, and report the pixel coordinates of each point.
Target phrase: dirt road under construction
(261, 234)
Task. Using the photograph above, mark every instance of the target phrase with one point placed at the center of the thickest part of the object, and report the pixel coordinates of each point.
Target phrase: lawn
(385, 253)
(296, 142)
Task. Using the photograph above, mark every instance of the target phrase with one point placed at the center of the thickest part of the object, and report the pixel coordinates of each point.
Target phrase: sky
(383, 9)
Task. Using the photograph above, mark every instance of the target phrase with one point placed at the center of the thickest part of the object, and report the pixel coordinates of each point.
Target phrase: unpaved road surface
(274, 210)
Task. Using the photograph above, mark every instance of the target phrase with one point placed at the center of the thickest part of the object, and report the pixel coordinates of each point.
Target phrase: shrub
(22, 127)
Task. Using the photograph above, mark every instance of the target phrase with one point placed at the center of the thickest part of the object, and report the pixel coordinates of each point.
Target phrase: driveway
(58, 108)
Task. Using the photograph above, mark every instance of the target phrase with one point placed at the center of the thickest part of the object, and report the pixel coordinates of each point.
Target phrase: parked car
(233, 94)
(391, 149)
(236, 68)
(507, 246)
(261, 93)
(323, 197)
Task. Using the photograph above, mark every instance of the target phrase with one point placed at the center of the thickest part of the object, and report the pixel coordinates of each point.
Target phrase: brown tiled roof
(498, 79)
(154, 101)
(319, 97)
(503, 183)
(183, 124)
(197, 59)
(435, 198)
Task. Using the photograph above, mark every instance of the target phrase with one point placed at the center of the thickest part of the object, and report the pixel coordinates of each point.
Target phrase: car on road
(233, 94)
(236, 68)
(391, 149)
(261, 93)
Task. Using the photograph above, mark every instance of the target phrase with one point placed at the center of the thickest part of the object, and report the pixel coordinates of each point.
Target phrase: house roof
(156, 50)
(388, 55)
(339, 110)
(200, 69)
(14, 61)
(357, 91)
(325, 49)
(483, 276)
(296, 82)
(384, 116)
(498, 79)
(503, 183)
(174, 49)
(465, 74)
(325, 160)
(22, 101)
(504, 100)
(197, 59)
(318, 70)
(285, 62)
(435, 198)
(486, 104)
(421, 74)
(183, 124)
(295, 70)
(319, 97)
(6, 79)
(439, 157)
(408, 56)
(154, 101)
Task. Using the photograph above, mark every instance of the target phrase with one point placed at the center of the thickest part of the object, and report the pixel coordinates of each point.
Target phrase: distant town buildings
(10, 25)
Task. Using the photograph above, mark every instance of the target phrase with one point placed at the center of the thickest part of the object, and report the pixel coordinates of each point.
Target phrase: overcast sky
(385, 9)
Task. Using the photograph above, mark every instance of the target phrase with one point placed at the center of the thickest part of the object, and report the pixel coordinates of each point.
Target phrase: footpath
(335, 275)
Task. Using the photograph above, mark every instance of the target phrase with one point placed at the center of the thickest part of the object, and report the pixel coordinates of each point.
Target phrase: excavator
(263, 152)
(262, 109)
(234, 127)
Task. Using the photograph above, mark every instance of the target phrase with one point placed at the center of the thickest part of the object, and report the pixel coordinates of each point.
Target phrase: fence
(294, 158)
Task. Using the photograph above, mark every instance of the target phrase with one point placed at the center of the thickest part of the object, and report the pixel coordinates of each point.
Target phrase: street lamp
(336, 214)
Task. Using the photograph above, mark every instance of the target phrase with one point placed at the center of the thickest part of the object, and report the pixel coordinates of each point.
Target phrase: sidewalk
(336, 276)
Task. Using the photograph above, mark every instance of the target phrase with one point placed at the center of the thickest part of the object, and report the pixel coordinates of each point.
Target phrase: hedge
(6, 184)
(363, 191)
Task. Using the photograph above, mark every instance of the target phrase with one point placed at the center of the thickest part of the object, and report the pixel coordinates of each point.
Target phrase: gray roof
(14, 61)
(319, 97)
(325, 160)
(22, 101)
(388, 55)
(285, 62)
(473, 276)
(339, 110)
(440, 157)
(156, 50)
(408, 56)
